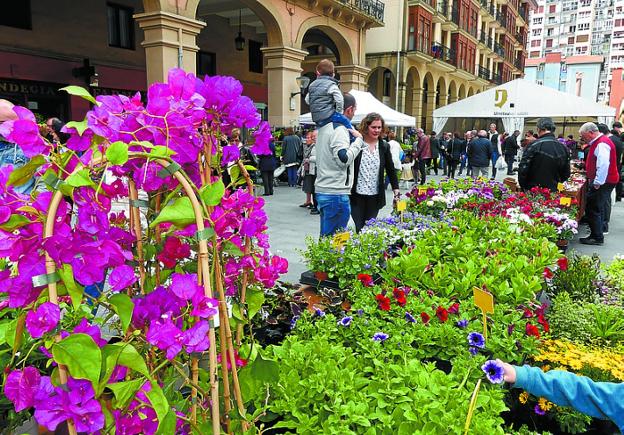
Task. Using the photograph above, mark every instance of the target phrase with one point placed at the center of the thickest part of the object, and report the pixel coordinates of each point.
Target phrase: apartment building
(445, 50)
(580, 28)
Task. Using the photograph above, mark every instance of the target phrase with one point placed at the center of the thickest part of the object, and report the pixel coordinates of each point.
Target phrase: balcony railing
(439, 51)
(373, 8)
(442, 7)
(483, 37)
(483, 73)
(497, 78)
(430, 3)
(484, 3)
(493, 11)
(519, 63)
(523, 14)
(520, 38)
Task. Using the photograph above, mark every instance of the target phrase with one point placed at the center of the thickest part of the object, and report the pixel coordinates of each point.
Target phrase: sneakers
(605, 229)
(591, 241)
(306, 205)
(315, 211)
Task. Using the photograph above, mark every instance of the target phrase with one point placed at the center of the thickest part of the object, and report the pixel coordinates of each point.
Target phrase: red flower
(531, 330)
(383, 302)
(425, 318)
(542, 321)
(365, 279)
(547, 273)
(527, 313)
(173, 250)
(563, 263)
(442, 314)
(400, 297)
(454, 309)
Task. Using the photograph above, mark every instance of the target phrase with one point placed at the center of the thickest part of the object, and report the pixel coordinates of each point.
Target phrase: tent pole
(564, 125)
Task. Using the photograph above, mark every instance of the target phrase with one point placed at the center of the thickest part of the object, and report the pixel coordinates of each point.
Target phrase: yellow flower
(524, 397)
(544, 404)
(545, 368)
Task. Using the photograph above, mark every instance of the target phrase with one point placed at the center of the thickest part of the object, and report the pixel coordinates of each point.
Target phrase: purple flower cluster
(74, 401)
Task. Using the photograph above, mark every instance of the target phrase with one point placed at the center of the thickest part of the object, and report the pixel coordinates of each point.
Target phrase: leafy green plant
(579, 279)
(571, 421)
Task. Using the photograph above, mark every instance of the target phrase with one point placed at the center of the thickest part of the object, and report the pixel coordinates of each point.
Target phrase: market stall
(515, 101)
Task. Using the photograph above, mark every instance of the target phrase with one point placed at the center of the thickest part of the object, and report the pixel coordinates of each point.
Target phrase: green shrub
(579, 280)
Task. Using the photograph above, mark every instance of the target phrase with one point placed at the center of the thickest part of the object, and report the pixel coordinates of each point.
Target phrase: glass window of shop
(120, 26)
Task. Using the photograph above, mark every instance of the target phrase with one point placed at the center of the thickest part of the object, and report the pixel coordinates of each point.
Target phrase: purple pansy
(44, 319)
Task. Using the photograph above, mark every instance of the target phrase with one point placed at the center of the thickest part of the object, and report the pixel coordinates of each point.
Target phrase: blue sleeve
(598, 399)
(342, 155)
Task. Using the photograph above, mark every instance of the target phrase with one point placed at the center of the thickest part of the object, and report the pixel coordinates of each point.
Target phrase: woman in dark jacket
(291, 155)
(267, 166)
(368, 195)
(455, 148)
(435, 151)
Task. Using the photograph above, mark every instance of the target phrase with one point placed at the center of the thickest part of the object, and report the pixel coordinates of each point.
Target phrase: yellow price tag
(422, 190)
(483, 300)
(401, 205)
(340, 239)
(565, 200)
(560, 187)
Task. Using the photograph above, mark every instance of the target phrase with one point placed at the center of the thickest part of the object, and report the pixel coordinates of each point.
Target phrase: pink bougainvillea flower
(121, 278)
(231, 153)
(173, 250)
(84, 327)
(203, 306)
(262, 138)
(196, 337)
(562, 263)
(5, 214)
(166, 336)
(240, 362)
(21, 387)
(24, 131)
(185, 286)
(44, 319)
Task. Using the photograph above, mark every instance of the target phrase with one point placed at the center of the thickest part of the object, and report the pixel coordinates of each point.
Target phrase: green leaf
(75, 291)
(15, 221)
(125, 391)
(168, 424)
(180, 213)
(254, 375)
(80, 126)
(162, 151)
(80, 178)
(231, 249)
(3, 330)
(81, 355)
(79, 91)
(123, 354)
(124, 307)
(211, 194)
(255, 299)
(117, 153)
(159, 403)
(23, 174)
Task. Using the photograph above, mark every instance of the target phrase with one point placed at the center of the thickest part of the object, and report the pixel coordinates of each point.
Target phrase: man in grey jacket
(335, 154)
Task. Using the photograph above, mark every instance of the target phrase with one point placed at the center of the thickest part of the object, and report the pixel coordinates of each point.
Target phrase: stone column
(170, 41)
(352, 77)
(444, 96)
(417, 104)
(431, 99)
(283, 65)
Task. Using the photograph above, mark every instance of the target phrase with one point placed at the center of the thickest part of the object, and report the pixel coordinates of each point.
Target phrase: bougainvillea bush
(108, 318)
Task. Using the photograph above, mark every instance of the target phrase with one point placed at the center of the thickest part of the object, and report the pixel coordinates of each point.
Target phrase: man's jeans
(335, 212)
(483, 170)
(11, 154)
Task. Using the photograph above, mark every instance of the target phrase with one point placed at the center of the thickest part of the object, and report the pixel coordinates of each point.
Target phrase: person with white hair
(10, 153)
(602, 176)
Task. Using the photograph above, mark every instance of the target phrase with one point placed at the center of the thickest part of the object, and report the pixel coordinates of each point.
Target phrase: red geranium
(531, 330)
(400, 297)
(442, 314)
(365, 279)
(425, 318)
(563, 263)
(383, 302)
(548, 273)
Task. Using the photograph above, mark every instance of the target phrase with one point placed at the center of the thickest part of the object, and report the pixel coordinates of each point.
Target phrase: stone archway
(429, 100)
(381, 83)
(345, 54)
(452, 92)
(470, 92)
(442, 92)
(461, 93)
(413, 93)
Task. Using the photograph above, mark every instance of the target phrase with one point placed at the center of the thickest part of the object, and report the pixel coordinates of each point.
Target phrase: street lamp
(239, 41)
(302, 82)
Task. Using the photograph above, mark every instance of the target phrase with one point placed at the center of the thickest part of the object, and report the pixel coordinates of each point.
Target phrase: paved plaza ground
(289, 225)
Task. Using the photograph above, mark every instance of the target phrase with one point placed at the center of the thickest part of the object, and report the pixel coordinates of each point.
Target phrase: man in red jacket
(602, 176)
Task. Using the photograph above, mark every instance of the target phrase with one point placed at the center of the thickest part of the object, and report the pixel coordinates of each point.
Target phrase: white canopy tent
(367, 103)
(519, 99)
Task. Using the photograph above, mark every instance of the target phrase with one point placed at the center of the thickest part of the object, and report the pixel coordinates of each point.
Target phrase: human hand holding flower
(510, 372)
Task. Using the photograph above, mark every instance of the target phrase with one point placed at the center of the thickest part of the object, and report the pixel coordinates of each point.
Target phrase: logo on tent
(500, 97)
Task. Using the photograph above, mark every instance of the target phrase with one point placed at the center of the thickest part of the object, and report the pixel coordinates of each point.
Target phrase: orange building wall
(617, 90)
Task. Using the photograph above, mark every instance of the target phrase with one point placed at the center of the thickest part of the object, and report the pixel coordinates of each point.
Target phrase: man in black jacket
(480, 155)
(510, 149)
(545, 162)
(617, 132)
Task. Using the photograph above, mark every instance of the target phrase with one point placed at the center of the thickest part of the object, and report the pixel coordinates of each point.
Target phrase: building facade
(576, 75)
(121, 46)
(434, 52)
(583, 27)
